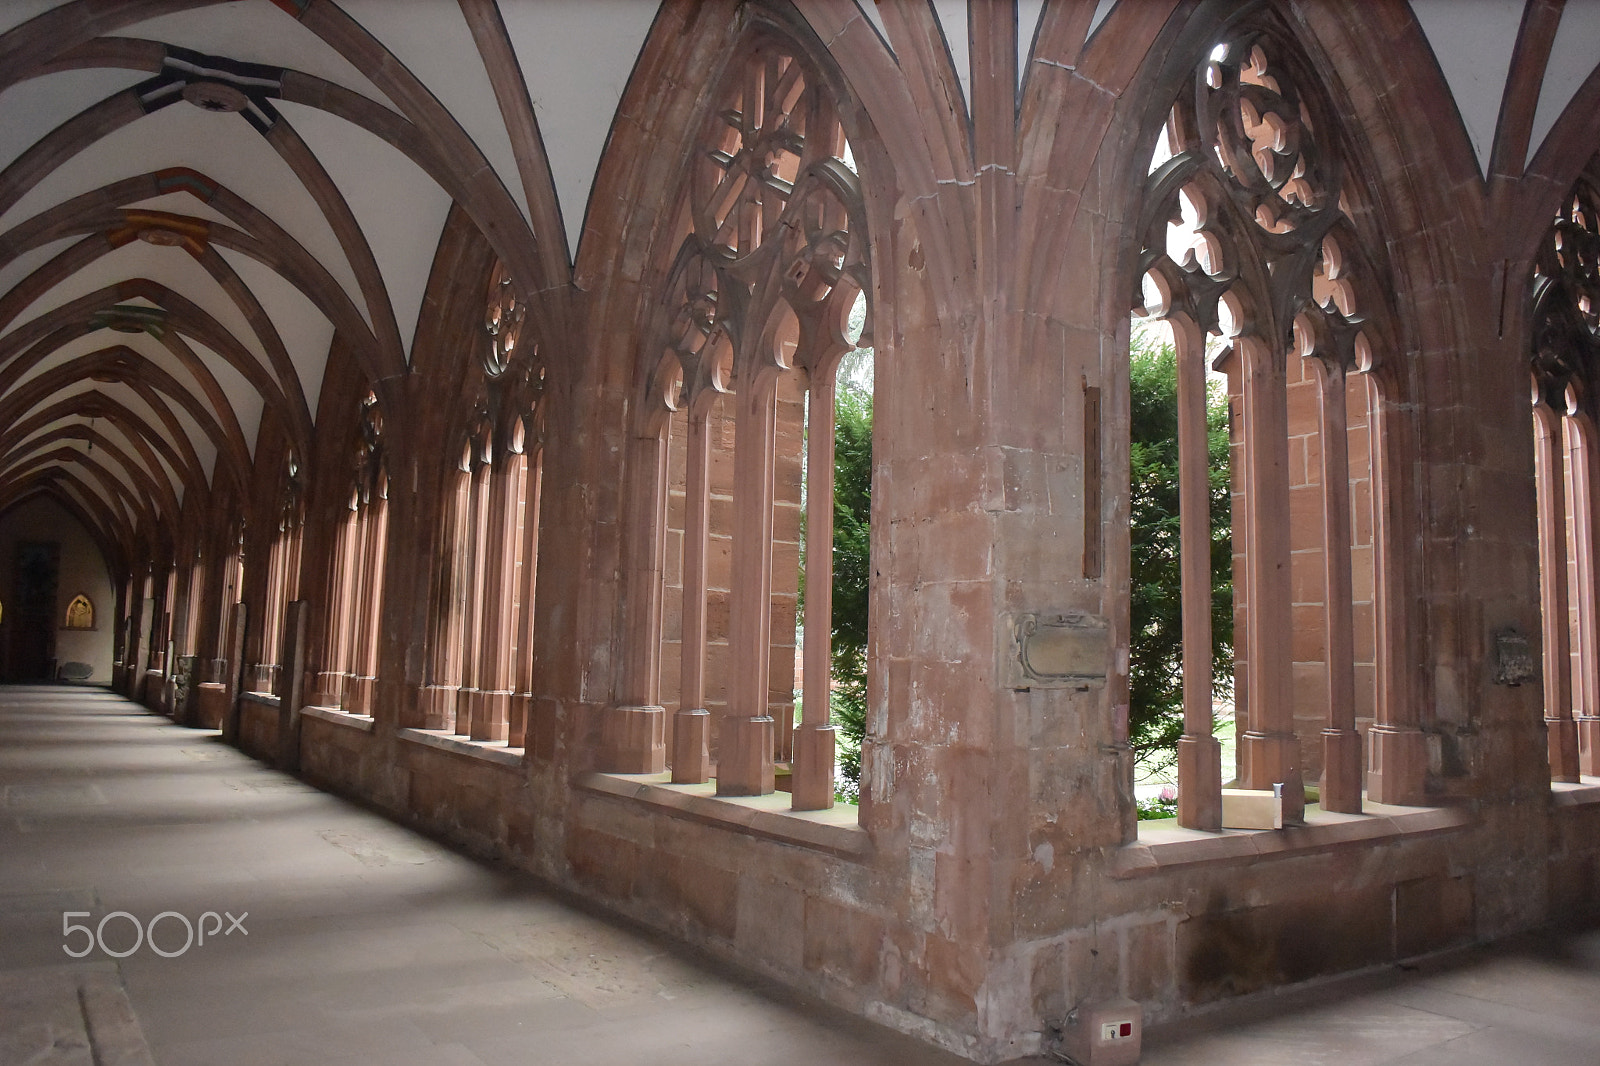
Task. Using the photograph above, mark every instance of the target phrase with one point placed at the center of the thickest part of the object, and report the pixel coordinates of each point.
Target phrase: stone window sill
(488, 751)
(1575, 794)
(836, 830)
(1164, 847)
(362, 722)
(266, 699)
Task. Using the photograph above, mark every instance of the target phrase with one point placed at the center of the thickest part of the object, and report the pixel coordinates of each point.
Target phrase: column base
(814, 747)
(517, 727)
(691, 747)
(438, 706)
(1341, 771)
(1397, 766)
(491, 716)
(330, 688)
(1274, 758)
(1200, 783)
(1588, 745)
(358, 695)
(744, 761)
(1563, 735)
(466, 702)
(633, 740)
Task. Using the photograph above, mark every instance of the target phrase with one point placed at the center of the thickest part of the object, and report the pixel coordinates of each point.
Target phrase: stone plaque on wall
(1057, 649)
(1514, 663)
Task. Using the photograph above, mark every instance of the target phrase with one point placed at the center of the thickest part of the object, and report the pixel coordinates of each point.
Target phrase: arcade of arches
(449, 391)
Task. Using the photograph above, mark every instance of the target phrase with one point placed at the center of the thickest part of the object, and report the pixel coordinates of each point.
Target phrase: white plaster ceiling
(436, 45)
(576, 60)
(44, 103)
(304, 329)
(14, 13)
(1473, 41)
(400, 209)
(1573, 56)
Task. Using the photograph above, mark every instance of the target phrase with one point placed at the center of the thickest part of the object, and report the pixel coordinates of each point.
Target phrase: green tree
(1155, 719)
(852, 513)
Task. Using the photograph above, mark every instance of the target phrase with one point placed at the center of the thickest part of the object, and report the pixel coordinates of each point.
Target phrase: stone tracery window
(482, 671)
(738, 433)
(1565, 357)
(1247, 236)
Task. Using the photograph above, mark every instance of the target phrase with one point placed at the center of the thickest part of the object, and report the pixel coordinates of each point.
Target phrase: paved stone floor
(365, 943)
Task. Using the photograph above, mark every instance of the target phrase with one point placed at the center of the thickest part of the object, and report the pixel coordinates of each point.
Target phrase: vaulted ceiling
(197, 196)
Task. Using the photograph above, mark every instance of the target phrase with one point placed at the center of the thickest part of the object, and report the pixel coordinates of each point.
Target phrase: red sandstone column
(815, 742)
(329, 684)
(691, 725)
(1273, 750)
(744, 756)
(492, 714)
(292, 659)
(444, 676)
(1398, 755)
(633, 732)
(1199, 753)
(1582, 442)
(236, 636)
(528, 581)
(374, 528)
(472, 613)
(1563, 731)
(1341, 744)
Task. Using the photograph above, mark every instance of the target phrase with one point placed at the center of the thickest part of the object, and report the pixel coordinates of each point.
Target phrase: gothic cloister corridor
(368, 943)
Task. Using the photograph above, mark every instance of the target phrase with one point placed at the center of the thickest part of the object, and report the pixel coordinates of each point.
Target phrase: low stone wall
(258, 727)
(1177, 922)
(1574, 855)
(211, 703)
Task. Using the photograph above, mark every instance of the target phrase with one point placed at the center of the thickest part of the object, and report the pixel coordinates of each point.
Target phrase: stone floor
(365, 943)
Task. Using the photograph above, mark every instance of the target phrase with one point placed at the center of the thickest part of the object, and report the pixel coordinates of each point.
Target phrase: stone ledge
(835, 830)
(1575, 794)
(487, 751)
(361, 722)
(264, 698)
(1166, 848)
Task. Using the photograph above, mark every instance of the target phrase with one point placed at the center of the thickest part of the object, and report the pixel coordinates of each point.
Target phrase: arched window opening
(482, 670)
(1565, 356)
(741, 417)
(1251, 259)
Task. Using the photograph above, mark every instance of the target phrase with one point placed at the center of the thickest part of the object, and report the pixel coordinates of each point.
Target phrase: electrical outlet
(1111, 1032)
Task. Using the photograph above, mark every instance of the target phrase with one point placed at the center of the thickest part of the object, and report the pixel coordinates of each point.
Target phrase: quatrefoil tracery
(1246, 227)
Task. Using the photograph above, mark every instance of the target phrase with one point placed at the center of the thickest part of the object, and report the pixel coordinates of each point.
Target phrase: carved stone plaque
(1514, 659)
(1058, 649)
